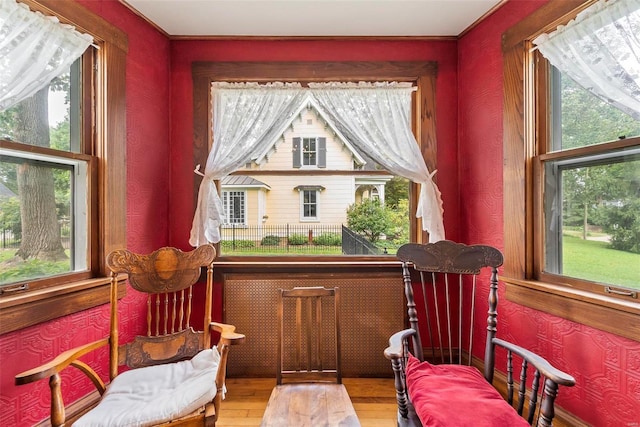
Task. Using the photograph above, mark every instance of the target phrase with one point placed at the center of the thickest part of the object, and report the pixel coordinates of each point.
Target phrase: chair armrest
(60, 362)
(396, 344)
(228, 333)
(541, 364)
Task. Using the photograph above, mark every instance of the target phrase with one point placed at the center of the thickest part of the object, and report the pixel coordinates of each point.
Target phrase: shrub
(270, 241)
(298, 239)
(238, 244)
(328, 239)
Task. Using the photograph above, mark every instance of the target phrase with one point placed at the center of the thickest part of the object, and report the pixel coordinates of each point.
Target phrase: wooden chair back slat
(305, 360)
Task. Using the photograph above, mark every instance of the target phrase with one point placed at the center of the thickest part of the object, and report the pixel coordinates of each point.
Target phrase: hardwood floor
(373, 399)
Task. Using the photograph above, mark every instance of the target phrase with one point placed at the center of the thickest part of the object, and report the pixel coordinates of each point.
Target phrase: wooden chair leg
(57, 405)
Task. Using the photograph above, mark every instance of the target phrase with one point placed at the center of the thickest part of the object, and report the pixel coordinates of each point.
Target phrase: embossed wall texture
(606, 367)
(148, 186)
(160, 191)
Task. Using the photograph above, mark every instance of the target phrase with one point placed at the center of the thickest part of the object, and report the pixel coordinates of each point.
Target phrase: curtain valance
(34, 49)
(600, 50)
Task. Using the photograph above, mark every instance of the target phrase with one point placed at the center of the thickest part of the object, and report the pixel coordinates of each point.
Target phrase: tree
(395, 190)
(369, 218)
(399, 223)
(599, 193)
(36, 185)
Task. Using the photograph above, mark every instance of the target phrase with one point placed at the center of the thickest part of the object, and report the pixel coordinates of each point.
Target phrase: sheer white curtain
(34, 49)
(246, 116)
(600, 50)
(376, 117)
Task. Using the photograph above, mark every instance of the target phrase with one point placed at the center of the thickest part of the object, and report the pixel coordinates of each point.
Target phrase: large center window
(312, 190)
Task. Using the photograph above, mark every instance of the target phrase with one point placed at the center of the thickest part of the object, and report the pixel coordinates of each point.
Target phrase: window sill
(598, 311)
(28, 309)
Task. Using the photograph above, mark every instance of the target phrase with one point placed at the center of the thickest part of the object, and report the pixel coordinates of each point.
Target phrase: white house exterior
(304, 177)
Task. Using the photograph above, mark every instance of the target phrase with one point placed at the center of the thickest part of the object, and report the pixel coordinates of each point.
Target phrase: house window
(234, 207)
(591, 196)
(62, 207)
(44, 214)
(339, 167)
(570, 189)
(308, 151)
(309, 204)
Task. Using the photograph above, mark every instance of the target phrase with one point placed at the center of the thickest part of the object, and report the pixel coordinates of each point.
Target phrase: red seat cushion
(456, 396)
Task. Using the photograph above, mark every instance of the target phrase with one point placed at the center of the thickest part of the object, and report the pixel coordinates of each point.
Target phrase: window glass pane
(50, 118)
(592, 220)
(309, 207)
(43, 198)
(581, 119)
(38, 225)
(323, 208)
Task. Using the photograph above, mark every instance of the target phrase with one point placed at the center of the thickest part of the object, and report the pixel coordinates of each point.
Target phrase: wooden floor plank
(373, 400)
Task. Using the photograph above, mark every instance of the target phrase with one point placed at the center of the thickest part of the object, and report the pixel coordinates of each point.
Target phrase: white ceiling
(311, 18)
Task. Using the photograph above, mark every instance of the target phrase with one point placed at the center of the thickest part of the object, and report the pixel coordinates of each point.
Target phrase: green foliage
(396, 190)
(298, 239)
(399, 218)
(237, 244)
(270, 240)
(623, 224)
(16, 269)
(606, 195)
(10, 216)
(596, 261)
(328, 239)
(369, 218)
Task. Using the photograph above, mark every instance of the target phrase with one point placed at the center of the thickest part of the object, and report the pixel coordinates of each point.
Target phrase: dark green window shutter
(296, 152)
(322, 152)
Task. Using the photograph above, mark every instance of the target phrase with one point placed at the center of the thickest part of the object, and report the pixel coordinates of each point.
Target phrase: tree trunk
(40, 228)
(585, 223)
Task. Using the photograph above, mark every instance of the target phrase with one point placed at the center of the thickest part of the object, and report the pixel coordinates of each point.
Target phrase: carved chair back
(168, 276)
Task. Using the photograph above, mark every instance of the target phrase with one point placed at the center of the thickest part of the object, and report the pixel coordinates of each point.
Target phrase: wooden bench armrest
(228, 333)
(60, 362)
(541, 364)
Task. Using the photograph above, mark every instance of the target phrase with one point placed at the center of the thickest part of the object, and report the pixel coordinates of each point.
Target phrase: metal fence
(291, 239)
(11, 234)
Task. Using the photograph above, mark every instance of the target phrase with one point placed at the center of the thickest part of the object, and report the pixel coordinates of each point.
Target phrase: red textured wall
(160, 190)
(183, 53)
(606, 367)
(147, 85)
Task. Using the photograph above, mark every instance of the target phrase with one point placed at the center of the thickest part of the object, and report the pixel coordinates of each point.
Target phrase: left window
(45, 175)
(62, 206)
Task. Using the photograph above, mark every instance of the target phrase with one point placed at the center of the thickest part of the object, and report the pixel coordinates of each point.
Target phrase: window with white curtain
(54, 117)
(341, 177)
(368, 122)
(591, 190)
(571, 183)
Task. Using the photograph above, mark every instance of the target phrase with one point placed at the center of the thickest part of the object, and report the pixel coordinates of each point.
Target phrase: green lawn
(594, 260)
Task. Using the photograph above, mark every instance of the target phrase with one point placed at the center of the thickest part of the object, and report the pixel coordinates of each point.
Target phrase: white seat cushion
(156, 394)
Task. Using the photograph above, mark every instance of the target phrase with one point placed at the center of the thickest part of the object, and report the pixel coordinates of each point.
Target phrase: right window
(571, 189)
(590, 189)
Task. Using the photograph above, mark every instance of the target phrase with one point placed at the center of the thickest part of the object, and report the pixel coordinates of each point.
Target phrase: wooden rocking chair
(176, 376)
(445, 392)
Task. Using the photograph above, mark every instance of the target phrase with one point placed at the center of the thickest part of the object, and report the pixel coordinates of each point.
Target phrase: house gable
(309, 122)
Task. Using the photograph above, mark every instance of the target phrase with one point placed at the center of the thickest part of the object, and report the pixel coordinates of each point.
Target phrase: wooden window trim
(18, 311)
(620, 317)
(421, 73)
